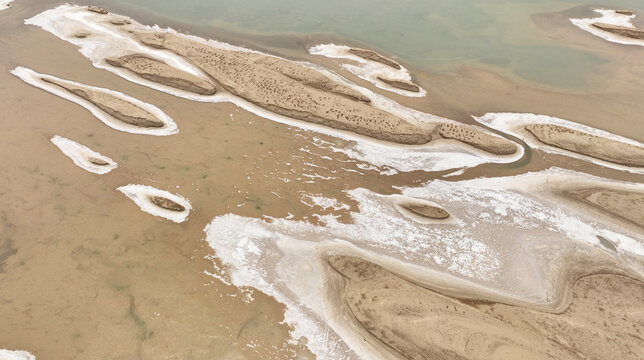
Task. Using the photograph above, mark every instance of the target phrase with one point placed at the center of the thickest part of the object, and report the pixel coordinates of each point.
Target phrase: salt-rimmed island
(613, 25)
(84, 157)
(113, 108)
(158, 202)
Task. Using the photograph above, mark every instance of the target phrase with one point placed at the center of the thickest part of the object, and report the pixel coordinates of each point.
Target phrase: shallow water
(85, 274)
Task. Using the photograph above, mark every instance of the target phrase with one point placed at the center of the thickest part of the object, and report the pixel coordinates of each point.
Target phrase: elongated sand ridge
(84, 157)
(621, 31)
(425, 210)
(588, 144)
(158, 202)
(613, 25)
(15, 355)
(115, 109)
(480, 140)
(158, 71)
(5, 4)
(417, 323)
(627, 205)
(400, 84)
(374, 56)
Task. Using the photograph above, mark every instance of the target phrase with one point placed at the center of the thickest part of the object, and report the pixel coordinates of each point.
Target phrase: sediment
(118, 108)
(290, 89)
(478, 139)
(424, 210)
(419, 323)
(621, 31)
(626, 205)
(587, 144)
(403, 85)
(166, 203)
(374, 56)
(160, 72)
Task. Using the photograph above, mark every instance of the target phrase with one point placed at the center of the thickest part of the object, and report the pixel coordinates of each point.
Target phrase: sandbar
(158, 202)
(613, 25)
(626, 205)
(84, 157)
(424, 210)
(374, 56)
(478, 139)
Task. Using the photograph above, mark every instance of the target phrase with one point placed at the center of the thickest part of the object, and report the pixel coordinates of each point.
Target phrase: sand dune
(418, 323)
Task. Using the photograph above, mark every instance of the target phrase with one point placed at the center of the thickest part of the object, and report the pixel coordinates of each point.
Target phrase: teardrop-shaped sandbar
(158, 202)
(84, 157)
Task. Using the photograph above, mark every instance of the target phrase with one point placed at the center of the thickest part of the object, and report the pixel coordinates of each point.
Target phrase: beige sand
(625, 205)
(404, 85)
(425, 210)
(621, 31)
(290, 89)
(588, 144)
(117, 108)
(166, 203)
(97, 9)
(374, 56)
(492, 144)
(158, 71)
(624, 12)
(600, 323)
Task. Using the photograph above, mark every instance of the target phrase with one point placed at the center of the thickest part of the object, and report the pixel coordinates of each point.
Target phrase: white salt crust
(33, 78)
(612, 18)
(141, 194)
(107, 40)
(515, 123)
(282, 257)
(15, 354)
(368, 69)
(81, 155)
(5, 4)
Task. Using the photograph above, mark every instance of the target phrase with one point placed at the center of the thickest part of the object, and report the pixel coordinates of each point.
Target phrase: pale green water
(430, 34)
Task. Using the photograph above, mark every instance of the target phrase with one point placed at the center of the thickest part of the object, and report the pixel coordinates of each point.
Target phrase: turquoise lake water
(429, 34)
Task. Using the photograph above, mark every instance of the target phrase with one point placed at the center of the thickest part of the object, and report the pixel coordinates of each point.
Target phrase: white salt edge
(66, 20)
(612, 18)
(368, 70)
(34, 78)
(81, 155)
(15, 354)
(5, 4)
(140, 195)
(514, 124)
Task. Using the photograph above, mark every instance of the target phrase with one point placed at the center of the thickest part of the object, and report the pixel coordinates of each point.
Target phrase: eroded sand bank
(613, 25)
(599, 323)
(115, 109)
(84, 157)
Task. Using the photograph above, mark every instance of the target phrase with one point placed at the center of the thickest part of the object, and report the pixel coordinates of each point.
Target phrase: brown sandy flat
(404, 85)
(166, 203)
(425, 210)
(626, 205)
(290, 89)
(603, 321)
(158, 71)
(588, 144)
(374, 56)
(117, 108)
(478, 139)
(636, 34)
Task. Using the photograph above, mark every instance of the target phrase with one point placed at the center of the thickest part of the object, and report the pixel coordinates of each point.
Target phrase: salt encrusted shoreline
(99, 103)
(15, 355)
(151, 200)
(84, 157)
(612, 18)
(5, 4)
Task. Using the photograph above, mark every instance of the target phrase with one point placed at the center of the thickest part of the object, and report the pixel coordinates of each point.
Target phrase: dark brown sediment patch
(166, 203)
(624, 12)
(631, 33)
(419, 323)
(587, 144)
(119, 21)
(424, 210)
(403, 85)
(374, 56)
(289, 89)
(97, 9)
(99, 162)
(160, 72)
(118, 108)
(626, 205)
(478, 139)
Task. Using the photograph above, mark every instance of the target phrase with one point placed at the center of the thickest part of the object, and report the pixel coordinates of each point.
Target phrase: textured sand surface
(588, 144)
(492, 144)
(603, 321)
(626, 205)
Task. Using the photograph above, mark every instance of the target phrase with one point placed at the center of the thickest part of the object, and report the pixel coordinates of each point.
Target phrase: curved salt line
(66, 20)
(5, 4)
(612, 18)
(33, 78)
(80, 155)
(282, 257)
(368, 69)
(514, 124)
(15, 354)
(140, 193)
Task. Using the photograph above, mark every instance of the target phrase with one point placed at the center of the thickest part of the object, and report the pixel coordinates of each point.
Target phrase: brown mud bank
(625, 205)
(403, 85)
(374, 56)
(588, 144)
(631, 33)
(417, 323)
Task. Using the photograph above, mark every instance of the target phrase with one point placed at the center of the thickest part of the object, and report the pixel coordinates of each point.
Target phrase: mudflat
(588, 144)
(621, 30)
(117, 108)
(626, 205)
(417, 323)
(160, 72)
(478, 139)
